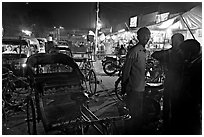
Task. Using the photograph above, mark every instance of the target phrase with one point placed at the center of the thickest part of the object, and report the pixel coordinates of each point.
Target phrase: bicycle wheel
(92, 82)
(118, 90)
(31, 117)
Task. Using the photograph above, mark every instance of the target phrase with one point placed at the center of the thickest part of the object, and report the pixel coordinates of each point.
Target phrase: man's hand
(123, 88)
(122, 85)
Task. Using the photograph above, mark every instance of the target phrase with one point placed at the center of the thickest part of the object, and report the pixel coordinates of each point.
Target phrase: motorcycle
(113, 64)
(154, 72)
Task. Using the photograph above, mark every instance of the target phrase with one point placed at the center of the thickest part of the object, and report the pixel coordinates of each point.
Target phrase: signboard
(162, 17)
(133, 21)
(147, 19)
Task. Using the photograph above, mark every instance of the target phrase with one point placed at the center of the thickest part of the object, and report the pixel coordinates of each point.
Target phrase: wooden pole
(187, 26)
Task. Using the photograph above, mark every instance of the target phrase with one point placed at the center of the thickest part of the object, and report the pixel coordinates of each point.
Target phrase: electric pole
(96, 33)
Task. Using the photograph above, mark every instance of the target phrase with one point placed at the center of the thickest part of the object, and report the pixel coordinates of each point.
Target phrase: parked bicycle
(14, 91)
(87, 68)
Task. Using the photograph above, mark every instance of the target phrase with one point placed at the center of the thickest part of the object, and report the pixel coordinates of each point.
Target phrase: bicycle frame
(87, 118)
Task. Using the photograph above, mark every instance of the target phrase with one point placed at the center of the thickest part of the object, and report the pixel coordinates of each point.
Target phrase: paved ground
(103, 104)
(105, 82)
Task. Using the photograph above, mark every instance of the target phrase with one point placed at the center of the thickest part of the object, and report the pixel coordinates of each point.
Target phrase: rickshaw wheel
(31, 117)
(92, 82)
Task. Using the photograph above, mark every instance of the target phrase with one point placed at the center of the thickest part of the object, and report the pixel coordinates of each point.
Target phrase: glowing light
(61, 27)
(99, 25)
(122, 30)
(27, 32)
(91, 33)
(169, 31)
(166, 24)
(23, 65)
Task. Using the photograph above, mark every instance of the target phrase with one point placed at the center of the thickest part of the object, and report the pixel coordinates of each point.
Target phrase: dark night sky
(82, 14)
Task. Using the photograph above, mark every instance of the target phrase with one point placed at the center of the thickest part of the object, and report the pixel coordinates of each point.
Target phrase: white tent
(192, 18)
(189, 22)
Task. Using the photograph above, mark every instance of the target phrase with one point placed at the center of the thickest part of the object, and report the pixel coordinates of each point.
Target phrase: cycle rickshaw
(57, 99)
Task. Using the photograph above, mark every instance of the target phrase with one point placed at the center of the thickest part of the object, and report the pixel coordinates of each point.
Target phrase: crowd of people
(182, 93)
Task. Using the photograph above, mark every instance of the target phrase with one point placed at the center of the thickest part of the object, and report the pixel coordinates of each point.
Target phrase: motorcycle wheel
(109, 68)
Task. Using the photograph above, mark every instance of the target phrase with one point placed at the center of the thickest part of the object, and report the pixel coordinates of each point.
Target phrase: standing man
(188, 115)
(172, 61)
(49, 45)
(133, 77)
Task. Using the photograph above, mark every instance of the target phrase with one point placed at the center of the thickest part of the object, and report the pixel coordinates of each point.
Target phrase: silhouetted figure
(172, 62)
(187, 115)
(133, 78)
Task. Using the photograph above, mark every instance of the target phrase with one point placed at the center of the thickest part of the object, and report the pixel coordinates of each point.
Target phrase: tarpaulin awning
(163, 25)
(192, 18)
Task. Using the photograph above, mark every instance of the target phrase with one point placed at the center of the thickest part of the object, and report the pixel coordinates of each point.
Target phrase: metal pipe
(96, 33)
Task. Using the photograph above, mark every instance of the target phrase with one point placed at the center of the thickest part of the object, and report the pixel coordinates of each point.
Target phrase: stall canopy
(192, 18)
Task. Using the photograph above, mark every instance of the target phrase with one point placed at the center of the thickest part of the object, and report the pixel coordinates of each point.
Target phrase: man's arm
(126, 68)
(162, 56)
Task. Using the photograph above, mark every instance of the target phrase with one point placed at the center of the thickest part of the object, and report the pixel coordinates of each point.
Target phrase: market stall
(188, 23)
(162, 27)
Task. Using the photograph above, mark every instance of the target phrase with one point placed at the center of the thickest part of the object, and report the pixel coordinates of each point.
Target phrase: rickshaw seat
(52, 58)
(60, 92)
(55, 79)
